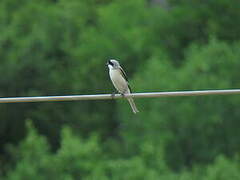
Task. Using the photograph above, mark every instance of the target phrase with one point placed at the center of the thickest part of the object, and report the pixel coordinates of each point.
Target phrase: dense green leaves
(207, 120)
(78, 158)
(61, 47)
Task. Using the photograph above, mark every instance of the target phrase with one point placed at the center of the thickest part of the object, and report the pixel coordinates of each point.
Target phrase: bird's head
(112, 63)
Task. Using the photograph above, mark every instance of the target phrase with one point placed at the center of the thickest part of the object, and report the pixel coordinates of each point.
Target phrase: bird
(120, 81)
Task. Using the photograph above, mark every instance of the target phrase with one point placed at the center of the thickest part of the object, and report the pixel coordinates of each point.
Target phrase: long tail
(132, 104)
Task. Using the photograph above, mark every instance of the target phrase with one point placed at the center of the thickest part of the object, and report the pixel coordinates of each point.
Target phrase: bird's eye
(110, 62)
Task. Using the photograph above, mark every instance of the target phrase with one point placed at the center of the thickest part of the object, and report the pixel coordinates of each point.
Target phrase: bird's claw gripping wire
(113, 95)
(123, 95)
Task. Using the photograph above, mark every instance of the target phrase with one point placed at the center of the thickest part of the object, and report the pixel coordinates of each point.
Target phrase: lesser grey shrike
(120, 81)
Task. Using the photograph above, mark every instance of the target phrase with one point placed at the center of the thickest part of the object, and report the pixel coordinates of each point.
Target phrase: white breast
(118, 81)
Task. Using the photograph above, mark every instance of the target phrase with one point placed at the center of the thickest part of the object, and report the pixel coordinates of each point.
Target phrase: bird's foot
(113, 95)
(122, 94)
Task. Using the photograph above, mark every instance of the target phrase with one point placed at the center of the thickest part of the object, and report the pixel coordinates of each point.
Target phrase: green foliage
(172, 122)
(84, 159)
(223, 168)
(31, 157)
(78, 158)
(51, 47)
(217, 14)
(75, 158)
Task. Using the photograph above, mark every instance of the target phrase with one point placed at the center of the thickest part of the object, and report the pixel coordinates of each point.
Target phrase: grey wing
(125, 77)
(123, 74)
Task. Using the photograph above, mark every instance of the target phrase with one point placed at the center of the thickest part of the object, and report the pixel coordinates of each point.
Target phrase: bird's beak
(107, 64)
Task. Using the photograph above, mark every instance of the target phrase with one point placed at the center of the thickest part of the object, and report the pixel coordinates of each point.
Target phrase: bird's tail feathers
(133, 106)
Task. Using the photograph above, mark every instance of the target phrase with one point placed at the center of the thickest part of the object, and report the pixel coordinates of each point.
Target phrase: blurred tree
(75, 158)
(223, 168)
(193, 21)
(38, 50)
(191, 129)
(61, 47)
(217, 14)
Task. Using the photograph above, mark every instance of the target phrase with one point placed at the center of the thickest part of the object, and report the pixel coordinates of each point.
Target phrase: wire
(117, 96)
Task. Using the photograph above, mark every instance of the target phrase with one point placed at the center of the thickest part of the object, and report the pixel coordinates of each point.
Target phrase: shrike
(120, 81)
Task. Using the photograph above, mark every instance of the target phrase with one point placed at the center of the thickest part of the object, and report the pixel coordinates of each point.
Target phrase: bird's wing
(123, 74)
(125, 77)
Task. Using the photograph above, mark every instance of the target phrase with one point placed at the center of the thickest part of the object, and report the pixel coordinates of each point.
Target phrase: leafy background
(60, 47)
